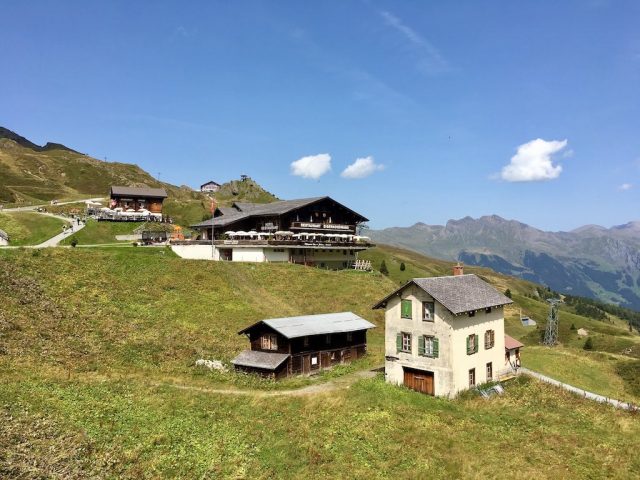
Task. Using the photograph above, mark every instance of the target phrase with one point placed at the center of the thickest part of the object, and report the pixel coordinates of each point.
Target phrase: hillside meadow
(27, 228)
(97, 352)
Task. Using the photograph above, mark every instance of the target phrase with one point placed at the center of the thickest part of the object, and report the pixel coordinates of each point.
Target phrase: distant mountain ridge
(592, 261)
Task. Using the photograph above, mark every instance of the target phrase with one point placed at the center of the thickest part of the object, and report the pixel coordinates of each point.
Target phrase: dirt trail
(330, 386)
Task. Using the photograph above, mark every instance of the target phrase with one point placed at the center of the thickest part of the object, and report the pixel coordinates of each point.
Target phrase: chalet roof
(322, 324)
(511, 343)
(281, 207)
(4, 235)
(458, 293)
(258, 359)
(139, 192)
(210, 182)
(227, 210)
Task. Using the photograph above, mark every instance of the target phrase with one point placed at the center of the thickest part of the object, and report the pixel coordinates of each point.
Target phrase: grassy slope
(26, 228)
(90, 338)
(96, 233)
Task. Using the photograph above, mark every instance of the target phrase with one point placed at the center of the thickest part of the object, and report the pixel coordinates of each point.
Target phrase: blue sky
(439, 95)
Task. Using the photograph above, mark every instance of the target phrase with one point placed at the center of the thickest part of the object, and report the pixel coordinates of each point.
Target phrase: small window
(403, 342)
(428, 309)
(405, 309)
(305, 342)
(489, 371)
(428, 346)
(349, 337)
(327, 339)
(487, 310)
(472, 313)
(344, 252)
(269, 341)
(489, 339)
(472, 377)
(472, 344)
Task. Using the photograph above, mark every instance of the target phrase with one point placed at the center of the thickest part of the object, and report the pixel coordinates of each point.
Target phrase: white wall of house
(394, 324)
(3, 241)
(326, 257)
(463, 326)
(249, 254)
(276, 255)
(196, 252)
(451, 368)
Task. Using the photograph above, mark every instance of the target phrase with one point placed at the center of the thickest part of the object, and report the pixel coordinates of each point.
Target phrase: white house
(444, 334)
(4, 238)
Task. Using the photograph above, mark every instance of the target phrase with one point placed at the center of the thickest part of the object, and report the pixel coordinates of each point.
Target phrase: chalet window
(269, 341)
(405, 309)
(489, 339)
(403, 342)
(428, 346)
(305, 341)
(489, 372)
(472, 377)
(472, 344)
(428, 311)
(487, 310)
(327, 339)
(472, 314)
(349, 337)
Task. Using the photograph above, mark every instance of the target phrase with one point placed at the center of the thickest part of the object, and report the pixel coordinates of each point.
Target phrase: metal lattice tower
(551, 332)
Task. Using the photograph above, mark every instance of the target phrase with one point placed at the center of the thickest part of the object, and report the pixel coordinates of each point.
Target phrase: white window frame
(406, 342)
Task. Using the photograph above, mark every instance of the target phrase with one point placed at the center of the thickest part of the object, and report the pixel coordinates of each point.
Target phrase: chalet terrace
(132, 204)
(303, 345)
(311, 231)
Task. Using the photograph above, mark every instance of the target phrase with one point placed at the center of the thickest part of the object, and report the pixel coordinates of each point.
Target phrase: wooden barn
(303, 345)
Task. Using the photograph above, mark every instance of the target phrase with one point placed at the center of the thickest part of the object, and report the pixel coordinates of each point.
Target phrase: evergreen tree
(507, 293)
(383, 268)
(588, 345)
(573, 326)
(402, 267)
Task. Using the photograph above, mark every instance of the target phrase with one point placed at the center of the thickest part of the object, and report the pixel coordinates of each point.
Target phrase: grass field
(27, 228)
(94, 344)
(96, 233)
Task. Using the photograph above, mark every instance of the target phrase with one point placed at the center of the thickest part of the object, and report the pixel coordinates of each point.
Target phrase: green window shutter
(421, 345)
(468, 345)
(405, 307)
(476, 349)
(399, 342)
(436, 347)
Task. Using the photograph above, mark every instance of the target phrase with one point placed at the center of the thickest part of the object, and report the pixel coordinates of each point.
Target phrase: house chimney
(458, 269)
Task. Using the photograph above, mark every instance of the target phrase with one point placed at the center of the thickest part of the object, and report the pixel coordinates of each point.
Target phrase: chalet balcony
(280, 243)
(323, 227)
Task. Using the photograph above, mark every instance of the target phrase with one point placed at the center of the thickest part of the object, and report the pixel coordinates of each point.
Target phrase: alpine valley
(592, 261)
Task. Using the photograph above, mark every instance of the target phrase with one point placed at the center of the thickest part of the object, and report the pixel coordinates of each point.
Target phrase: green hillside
(31, 175)
(26, 228)
(97, 352)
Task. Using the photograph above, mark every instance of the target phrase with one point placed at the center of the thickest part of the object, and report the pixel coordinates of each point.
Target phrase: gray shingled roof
(257, 359)
(322, 324)
(458, 293)
(227, 210)
(139, 192)
(262, 209)
(4, 235)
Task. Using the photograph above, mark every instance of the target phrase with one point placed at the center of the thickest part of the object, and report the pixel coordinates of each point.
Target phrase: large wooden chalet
(311, 231)
(302, 345)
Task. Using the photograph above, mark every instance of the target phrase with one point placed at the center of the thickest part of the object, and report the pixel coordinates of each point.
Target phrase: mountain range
(590, 261)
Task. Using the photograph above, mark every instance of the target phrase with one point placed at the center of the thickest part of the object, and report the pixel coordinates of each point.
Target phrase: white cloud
(362, 167)
(533, 163)
(313, 166)
(625, 186)
(431, 61)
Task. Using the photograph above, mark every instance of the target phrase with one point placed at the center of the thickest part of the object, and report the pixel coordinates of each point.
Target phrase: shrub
(74, 242)
(402, 267)
(383, 268)
(507, 293)
(588, 344)
(573, 326)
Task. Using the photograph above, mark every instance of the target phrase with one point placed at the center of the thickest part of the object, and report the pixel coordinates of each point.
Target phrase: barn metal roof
(4, 235)
(322, 324)
(139, 192)
(258, 359)
(458, 293)
(265, 209)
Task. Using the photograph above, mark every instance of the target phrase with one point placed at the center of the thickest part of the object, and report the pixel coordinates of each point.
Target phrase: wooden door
(419, 380)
